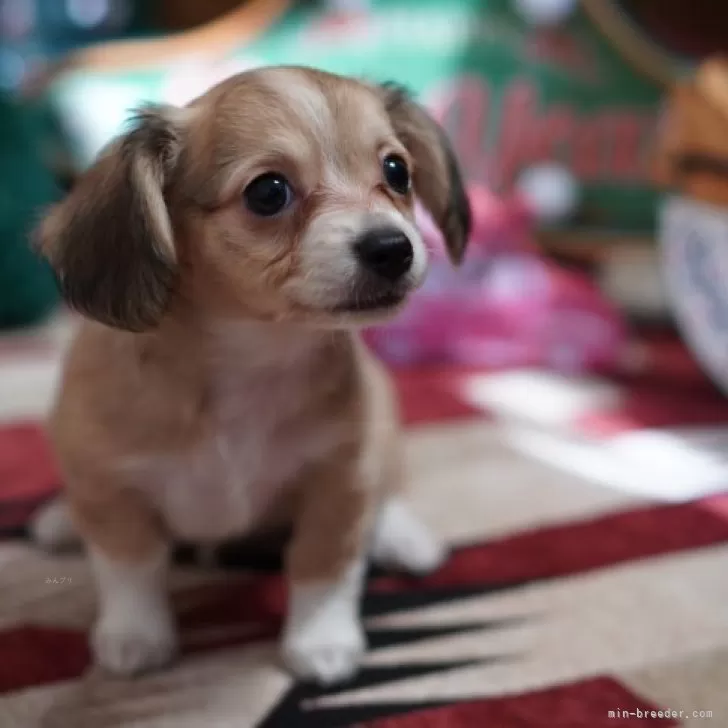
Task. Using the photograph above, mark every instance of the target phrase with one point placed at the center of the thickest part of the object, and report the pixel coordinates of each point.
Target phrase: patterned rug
(568, 602)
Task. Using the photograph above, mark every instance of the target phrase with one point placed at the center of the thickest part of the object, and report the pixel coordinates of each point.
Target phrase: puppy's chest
(254, 445)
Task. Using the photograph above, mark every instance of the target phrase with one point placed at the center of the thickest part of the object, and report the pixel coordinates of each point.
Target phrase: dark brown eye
(396, 173)
(268, 194)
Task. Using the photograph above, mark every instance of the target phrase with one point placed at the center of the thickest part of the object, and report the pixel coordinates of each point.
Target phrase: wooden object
(691, 154)
(176, 15)
(242, 24)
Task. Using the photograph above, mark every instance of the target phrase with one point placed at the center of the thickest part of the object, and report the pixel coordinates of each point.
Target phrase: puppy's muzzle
(385, 252)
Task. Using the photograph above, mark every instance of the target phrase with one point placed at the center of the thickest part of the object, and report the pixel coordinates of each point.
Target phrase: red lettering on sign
(511, 151)
(607, 145)
(588, 161)
(525, 138)
(552, 136)
(629, 133)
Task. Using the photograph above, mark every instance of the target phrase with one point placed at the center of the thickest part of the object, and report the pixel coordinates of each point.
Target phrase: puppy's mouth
(372, 302)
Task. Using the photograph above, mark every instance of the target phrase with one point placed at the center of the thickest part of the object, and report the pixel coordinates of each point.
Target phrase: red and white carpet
(588, 585)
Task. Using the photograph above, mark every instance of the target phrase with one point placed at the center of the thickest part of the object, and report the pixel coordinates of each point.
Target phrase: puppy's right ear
(111, 241)
(437, 178)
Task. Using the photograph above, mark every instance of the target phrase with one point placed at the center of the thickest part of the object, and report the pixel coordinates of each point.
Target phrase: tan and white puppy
(224, 255)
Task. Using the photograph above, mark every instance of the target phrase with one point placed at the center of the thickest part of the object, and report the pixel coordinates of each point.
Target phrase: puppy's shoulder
(125, 392)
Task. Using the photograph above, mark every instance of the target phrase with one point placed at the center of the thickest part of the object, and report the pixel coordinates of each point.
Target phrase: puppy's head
(281, 194)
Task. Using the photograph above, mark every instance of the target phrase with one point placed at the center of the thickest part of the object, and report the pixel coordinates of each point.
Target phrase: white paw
(401, 541)
(129, 646)
(325, 655)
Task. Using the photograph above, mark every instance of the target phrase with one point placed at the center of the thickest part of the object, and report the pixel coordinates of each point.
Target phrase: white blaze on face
(304, 98)
(311, 107)
(329, 266)
(327, 261)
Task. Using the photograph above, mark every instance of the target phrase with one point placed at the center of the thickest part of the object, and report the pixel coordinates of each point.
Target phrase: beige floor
(29, 366)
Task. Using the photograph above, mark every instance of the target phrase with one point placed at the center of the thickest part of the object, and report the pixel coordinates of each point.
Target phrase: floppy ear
(111, 241)
(437, 180)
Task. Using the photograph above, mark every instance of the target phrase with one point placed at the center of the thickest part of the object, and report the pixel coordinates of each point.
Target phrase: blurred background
(579, 357)
(552, 106)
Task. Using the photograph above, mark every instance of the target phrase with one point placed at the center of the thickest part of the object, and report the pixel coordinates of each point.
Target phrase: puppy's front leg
(323, 639)
(135, 630)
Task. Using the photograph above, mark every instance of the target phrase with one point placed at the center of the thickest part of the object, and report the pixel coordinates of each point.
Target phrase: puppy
(224, 255)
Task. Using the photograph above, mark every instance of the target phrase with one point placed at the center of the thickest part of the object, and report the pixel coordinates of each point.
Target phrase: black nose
(386, 252)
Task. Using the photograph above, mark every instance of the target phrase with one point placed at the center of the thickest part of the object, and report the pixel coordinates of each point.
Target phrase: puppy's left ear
(437, 179)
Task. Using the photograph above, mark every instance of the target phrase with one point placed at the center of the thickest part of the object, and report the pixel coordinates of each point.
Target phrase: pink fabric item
(506, 306)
